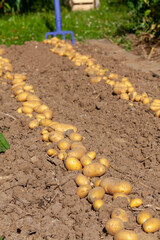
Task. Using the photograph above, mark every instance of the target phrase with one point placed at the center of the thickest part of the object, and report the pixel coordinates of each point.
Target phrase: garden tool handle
(57, 15)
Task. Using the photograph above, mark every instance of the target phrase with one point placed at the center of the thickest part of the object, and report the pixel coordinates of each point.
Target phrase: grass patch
(93, 24)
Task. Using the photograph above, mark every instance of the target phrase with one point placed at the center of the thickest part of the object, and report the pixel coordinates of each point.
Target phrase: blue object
(59, 24)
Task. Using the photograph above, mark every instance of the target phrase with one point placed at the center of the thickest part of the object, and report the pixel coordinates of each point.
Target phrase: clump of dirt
(38, 196)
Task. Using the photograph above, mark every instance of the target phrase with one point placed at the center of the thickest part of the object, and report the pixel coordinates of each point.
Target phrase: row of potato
(122, 87)
(69, 148)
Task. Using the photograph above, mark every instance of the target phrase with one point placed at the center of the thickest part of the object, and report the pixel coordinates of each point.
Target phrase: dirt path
(38, 198)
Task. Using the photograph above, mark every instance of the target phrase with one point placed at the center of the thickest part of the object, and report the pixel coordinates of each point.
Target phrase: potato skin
(82, 191)
(143, 216)
(82, 180)
(94, 170)
(151, 225)
(126, 235)
(113, 226)
(120, 213)
(73, 163)
(96, 193)
(136, 202)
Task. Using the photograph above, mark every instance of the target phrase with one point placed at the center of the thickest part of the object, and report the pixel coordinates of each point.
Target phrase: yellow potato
(32, 97)
(18, 85)
(97, 182)
(92, 155)
(48, 114)
(77, 144)
(94, 170)
(45, 122)
(138, 98)
(113, 76)
(52, 152)
(64, 127)
(116, 195)
(31, 104)
(104, 161)
(156, 101)
(40, 117)
(158, 113)
(82, 191)
(125, 235)
(77, 152)
(146, 100)
(143, 216)
(82, 180)
(114, 185)
(62, 155)
(97, 204)
(75, 137)
(56, 136)
(18, 91)
(73, 163)
(19, 110)
(34, 123)
(151, 225)
(18, 75)
(17, 80)
(113, 226)
(132, 95)
(45, 137)
(136, 202)
(130, 89)
(22, 96)
(120, 213)
(85, 160)
(64, 144)
(27, 110)
(30, 115)
(124, 96)
(28, 87)
(41, 108)
(96, 193)
(95, 80)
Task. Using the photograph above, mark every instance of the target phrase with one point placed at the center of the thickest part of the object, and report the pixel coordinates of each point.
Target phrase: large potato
(125, 235)
(73, 163)
(94, 170)
(96, 193)
(143, 216)
(77, 152)
(151, 225)
(113, 226)
(120, 213)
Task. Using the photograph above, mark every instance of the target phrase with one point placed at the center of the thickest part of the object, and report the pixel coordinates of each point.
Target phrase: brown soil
(38, 198)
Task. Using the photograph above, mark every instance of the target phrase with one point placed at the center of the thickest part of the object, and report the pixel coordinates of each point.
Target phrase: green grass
(93, 24)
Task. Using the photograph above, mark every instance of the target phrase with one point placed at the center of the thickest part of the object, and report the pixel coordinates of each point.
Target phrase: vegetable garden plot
(40, 195)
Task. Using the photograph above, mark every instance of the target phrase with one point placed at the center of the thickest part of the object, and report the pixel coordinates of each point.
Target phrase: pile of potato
(67, 144)
(122, 87)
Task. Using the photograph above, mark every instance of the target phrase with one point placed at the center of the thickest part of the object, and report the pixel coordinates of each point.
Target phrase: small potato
(31, 104)
(22, 97)
(96, 193)
(56, 136)
(136, 202)
(85, 160)
(75, 137)
(41, 108)
(30, 115)
(34, 123)
(17, 80)
(32, 97)
(124, 96)
(27, 110)
(77, 152)
(95, 80)
(73, 163)
(82, 180)
(97, 204)
(52, 152)
(125, 235)
(45, 122)
(146, 100)
(114, 225)
(39, 117)
(158, 113)
(64, 127)
(82, 191)
(45, 137)
(156, 101)
(143, 216)
(97, 182)
(62, 155)
(28, 87)
(113, 76)
(151, 225)
(48, 114)
(120, 213)
(92, 155)
(18, 75)
(114, 185)
(116, 195)
(104, 161)
(94, 170)
(138, 98)
(18, 85)
(19, 110)
(64, 144)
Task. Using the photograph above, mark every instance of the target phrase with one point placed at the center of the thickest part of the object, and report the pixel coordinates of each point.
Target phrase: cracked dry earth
(38, 198)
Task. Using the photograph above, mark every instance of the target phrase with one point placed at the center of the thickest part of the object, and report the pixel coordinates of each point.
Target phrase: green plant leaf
(147, 12)
(4, 145)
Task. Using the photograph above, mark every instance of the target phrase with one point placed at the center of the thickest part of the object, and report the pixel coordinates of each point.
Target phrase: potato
(18, 75)
(82, 180)
(45, 122)
(77, 152)
(96, 193)
(95, 80)
(34, 123)
(97, 182)
(82, 191)
(85, 160)
(94, 170)
(116, 195)
(40, 117)
(18, 91)
(138, 98)
(41, 108)
(62, 155)
(97, 204)
(22, 96)
(18, 85)
(158, 113)
(124, 96)
(156, 101)
(136, 202)
(64, 144)
(30, 115)
(32, 97)
(73, 163)
(151, 225)
(27, 110)
(28, 87)
(48, 114)
(113, 76)
(120, 213)
(19, 110)
(64, 127)
(143, 216)
(125, 235)
(113, 226)
(45, 137)
(56, 136)
(104, 161)
(146, 100)
(128, 84)
(31, 104)
(18, 80)
(92, 155)
(75, 137)
(114, 185)
(130, 89)
(52, 152)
